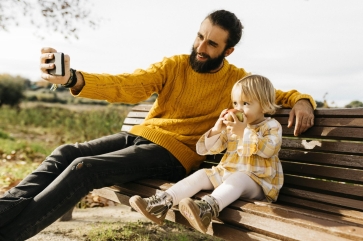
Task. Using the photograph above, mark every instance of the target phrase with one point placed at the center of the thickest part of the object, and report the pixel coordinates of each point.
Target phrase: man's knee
(65, 150)
(60, 158)
(80, 163)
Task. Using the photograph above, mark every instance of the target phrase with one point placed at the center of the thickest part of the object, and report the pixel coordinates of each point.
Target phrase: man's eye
(213, 44)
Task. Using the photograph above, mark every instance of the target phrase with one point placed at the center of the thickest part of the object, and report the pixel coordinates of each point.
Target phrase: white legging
(237, 185)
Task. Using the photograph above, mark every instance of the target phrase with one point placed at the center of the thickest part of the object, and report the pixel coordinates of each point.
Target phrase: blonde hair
(258, 88)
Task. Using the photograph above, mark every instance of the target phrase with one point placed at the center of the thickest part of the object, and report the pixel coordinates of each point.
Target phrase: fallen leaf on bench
(311, 144)
(93, 200)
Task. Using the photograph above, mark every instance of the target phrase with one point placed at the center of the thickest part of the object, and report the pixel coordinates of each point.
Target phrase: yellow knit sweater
(188, 102)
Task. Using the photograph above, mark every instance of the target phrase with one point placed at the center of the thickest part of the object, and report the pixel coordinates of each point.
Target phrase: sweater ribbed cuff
(89, 90)
(308, 97)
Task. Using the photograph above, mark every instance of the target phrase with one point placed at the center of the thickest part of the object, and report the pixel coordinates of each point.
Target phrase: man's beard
(205, 66)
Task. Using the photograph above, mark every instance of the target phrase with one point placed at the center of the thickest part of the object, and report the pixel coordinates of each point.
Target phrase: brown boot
(154, 208)
(199, 213)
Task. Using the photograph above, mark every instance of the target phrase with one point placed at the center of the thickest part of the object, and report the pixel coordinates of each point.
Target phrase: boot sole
(190, 211)
(138, 204)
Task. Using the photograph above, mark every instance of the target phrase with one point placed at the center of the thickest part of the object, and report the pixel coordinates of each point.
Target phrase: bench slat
(323, 198)
(337, 133)
(310, 206)
(323, 172)
(328, 112)
(142, 107)
(336, 112)
(133, 121)
(339, 189)
(326, 159)
(328, 122)
(322, 145)
(126, 127)
(137, 114)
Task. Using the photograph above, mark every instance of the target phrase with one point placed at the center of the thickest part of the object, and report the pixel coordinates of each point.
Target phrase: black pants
(72, 171)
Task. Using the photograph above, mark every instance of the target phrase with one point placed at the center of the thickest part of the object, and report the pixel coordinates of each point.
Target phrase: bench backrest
(323, 167)
(325, 164)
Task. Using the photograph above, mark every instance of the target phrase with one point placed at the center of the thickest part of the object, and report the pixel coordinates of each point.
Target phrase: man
(192, 92)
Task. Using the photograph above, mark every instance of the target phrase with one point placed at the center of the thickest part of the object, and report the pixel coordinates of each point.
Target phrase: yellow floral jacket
(255, 154)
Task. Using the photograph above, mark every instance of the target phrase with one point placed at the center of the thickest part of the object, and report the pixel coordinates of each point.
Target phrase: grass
(71, 125)
(18, 158)
(28, 135)
(12, 172)
(145, 231)
(10, 144)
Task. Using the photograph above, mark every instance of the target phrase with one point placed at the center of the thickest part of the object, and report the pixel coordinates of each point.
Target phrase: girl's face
(251, 108)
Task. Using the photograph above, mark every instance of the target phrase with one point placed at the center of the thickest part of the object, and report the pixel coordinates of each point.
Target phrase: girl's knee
(200, 172)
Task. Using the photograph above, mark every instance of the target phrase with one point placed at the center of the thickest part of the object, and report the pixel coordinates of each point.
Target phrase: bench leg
(67, 216)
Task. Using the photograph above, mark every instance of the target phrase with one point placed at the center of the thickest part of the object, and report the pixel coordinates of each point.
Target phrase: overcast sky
(314, 46)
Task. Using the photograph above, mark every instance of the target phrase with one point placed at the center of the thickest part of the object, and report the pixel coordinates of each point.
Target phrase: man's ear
(228, 51)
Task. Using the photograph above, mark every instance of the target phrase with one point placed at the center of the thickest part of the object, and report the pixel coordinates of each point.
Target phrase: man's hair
(229, 22)
(258, 88)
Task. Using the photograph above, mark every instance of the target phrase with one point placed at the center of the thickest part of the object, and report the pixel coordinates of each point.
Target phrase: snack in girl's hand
(238, 113)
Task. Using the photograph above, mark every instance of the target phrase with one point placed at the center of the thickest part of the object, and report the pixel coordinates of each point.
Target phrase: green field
(29, 134)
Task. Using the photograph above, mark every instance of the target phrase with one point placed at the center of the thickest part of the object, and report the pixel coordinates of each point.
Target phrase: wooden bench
(322, 197)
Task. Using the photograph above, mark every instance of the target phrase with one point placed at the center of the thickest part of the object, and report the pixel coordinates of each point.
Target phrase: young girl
(250, 167)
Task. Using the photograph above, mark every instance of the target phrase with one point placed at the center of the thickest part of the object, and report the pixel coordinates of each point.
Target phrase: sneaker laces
(162, 200)
(204, 207)
(212, 204)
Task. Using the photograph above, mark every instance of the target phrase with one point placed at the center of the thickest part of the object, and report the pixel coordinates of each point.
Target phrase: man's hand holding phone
(55, 67)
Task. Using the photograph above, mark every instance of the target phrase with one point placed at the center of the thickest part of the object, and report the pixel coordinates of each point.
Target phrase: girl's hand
(218, 126)
(236, 127)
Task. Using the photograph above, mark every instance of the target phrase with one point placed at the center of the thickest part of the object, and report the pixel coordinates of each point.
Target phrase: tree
(354, 104)
(12, 90)
(319, 104)
(62, 16)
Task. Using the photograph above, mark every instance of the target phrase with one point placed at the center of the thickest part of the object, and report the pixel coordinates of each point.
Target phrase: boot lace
(158, 205)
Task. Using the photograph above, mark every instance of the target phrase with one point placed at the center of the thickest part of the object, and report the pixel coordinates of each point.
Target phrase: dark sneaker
(154, 208)
(198, 213)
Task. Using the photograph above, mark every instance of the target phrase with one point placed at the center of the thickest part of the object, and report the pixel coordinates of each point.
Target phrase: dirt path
(84, 220)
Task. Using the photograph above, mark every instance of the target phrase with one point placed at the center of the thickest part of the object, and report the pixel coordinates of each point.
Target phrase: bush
(319, 104)
(354, 104)
(11, 90)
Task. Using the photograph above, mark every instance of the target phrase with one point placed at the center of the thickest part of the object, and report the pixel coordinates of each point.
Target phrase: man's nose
(202, 47)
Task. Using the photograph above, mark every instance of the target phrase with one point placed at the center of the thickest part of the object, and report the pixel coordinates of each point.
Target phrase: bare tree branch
(62, 16)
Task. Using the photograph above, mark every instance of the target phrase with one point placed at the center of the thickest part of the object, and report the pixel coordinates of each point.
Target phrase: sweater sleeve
(288, 99)
(127, 88)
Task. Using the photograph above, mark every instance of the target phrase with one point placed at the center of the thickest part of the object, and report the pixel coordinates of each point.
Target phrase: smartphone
(58, 61)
